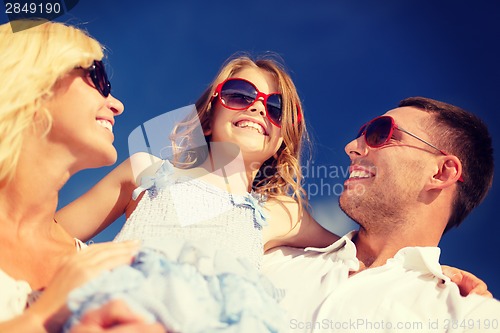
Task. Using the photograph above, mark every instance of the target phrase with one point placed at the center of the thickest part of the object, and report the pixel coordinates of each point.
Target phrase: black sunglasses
(99, 77)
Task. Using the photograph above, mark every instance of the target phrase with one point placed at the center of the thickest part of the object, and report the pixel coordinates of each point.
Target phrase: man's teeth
(360, 174)
(106, 124)
(251, 124)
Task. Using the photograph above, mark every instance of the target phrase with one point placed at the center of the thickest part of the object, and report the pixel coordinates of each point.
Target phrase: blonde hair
(280, 174)
(31, 62)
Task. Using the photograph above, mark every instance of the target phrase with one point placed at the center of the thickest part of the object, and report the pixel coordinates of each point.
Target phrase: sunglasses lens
(100, 79)
(237, 94)
(274, 110)
(361, 131)
(378, 132)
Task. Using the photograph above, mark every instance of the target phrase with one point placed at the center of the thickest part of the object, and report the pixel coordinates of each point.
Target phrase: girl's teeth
(244, 124)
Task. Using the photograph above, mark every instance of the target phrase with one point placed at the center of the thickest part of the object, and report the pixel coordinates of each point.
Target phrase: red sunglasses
(239, 94)
(378, 132)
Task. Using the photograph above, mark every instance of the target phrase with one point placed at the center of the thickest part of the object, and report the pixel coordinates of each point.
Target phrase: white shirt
(407, 294)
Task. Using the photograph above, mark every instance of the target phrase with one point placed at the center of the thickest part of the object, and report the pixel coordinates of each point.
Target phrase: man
(415, 172)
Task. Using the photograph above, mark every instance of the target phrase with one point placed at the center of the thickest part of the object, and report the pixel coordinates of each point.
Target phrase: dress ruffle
(193, 293)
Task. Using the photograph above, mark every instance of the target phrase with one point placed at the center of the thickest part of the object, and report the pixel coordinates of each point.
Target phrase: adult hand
(76, 269)
(467, 282)
(114, 317)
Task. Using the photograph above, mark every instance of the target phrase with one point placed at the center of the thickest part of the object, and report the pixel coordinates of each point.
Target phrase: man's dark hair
(464, 135)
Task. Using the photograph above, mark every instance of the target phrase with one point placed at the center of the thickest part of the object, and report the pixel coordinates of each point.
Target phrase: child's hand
(114, 317)
(467, 282)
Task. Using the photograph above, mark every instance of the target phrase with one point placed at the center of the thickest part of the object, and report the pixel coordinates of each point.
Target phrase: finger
(118, 317)
(453, 273)
(89, 263)
(139, 328)
(480, 288)
(103, 249)
(117, 312)
(106, 256)
(94, 253)
(84, 328)
(114, 311)
(474, 285)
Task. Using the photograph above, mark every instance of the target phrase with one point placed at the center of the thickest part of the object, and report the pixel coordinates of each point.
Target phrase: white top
(178, 209)
(16, 295)
(407, 294)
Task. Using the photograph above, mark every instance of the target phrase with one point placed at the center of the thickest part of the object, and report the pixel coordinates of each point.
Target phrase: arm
(287, 228)
(49, 312)
(107, 200)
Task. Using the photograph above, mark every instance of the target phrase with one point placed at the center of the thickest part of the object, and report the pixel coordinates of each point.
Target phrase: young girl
(209, 213)
(275, 153)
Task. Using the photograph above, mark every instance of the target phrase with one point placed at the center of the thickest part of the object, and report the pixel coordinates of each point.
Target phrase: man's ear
(448, 173)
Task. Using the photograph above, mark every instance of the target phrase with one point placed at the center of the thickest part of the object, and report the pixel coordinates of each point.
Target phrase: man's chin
(345, 204)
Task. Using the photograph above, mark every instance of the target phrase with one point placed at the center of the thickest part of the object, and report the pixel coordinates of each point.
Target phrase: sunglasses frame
(99, 78)
(363, 130)
(218, 90)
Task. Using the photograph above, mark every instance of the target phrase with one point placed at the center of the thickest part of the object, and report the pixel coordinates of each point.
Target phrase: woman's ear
(448, 173)
(208, 130)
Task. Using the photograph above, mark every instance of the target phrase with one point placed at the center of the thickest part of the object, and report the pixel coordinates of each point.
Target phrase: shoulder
(293, 226)
(283, 210)
(282, 204)
(143, 164)
(284, 221)
(130, 171)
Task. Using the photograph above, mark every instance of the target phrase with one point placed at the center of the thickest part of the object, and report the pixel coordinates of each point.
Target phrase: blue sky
(350, 60)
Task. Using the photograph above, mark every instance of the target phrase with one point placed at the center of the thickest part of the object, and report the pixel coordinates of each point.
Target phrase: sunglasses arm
(461, 179)
(420, 139)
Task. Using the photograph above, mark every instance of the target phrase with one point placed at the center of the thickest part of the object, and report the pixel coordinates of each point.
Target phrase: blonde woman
(56, 118)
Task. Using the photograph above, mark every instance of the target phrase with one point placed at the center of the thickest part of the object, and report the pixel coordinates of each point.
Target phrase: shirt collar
(342, 242)
(422, 259)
